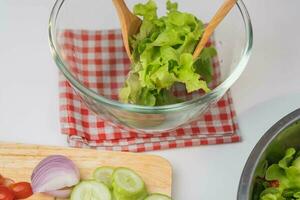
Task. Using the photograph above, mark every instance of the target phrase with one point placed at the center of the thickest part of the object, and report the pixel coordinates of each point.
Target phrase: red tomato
(274, 184)
(1, 180)
(7, 182)
(6, 193)
(22, 190)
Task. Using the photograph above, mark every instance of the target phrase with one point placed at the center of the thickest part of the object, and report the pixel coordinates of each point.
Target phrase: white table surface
(267, 90)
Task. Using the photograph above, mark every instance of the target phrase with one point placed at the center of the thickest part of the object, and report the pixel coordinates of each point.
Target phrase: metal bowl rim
(259, 149)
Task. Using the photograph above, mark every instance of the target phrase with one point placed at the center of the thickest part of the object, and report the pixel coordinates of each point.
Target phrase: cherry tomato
(5, 181)
(6, 193)
(1, 180)
(274, 184)
(22, 190)
(8, 182)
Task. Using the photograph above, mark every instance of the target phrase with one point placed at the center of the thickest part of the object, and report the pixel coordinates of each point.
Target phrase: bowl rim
(154, 109)
(259, 149)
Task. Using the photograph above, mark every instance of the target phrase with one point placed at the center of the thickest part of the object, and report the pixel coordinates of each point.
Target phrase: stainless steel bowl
(271, 147)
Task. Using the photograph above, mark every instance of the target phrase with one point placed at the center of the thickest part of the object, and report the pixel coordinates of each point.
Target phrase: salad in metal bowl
(280, 181)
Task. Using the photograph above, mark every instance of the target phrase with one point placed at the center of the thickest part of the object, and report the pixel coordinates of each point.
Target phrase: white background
(267, 90)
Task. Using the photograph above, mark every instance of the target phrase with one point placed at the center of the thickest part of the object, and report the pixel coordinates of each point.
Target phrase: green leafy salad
(162, 56)
(281, 180)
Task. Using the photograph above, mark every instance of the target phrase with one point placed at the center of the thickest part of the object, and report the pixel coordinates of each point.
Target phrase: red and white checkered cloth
(87, 53)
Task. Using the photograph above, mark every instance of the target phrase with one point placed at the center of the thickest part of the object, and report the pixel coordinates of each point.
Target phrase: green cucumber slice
(158, 197)
(127, 183)
(91, 190)
(104, 175)
(141, 196)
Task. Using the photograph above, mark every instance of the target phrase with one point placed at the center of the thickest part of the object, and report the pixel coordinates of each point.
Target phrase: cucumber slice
(127, 183)
(91, 190)
(158, 197)
(104, 175)
(140, 196)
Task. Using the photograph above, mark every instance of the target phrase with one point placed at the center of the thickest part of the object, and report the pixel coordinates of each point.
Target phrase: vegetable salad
(281, 180)
(162, 56)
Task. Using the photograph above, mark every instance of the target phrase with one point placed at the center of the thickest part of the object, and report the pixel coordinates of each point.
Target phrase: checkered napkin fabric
(87, 53)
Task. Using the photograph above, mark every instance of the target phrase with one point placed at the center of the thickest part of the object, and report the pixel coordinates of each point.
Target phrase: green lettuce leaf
(132, 89)
(297, 195)
(293, 174)
(287, 173)
(165, 97)
(204, 65)
(296, 162)
(148, 11)
(172, 6)
(167, 38)
(146, 97)
(275, 172)
(186, 74)
(162, 78)
(291, 193)
(287, 159)
(271, 194)
(162, 56)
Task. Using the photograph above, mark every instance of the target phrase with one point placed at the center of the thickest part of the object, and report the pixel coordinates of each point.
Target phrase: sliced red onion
(63, 193)
(55, 175)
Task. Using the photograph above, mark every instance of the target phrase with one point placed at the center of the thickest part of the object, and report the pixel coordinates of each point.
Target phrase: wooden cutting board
(17, 162)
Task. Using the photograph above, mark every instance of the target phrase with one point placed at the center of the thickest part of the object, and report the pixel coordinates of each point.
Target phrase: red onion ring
(55, 175)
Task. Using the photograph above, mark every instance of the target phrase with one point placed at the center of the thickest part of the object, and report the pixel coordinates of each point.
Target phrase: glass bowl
(233, 40)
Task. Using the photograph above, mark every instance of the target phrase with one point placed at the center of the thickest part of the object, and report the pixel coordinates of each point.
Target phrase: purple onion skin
(63, 193)
(51, 169)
